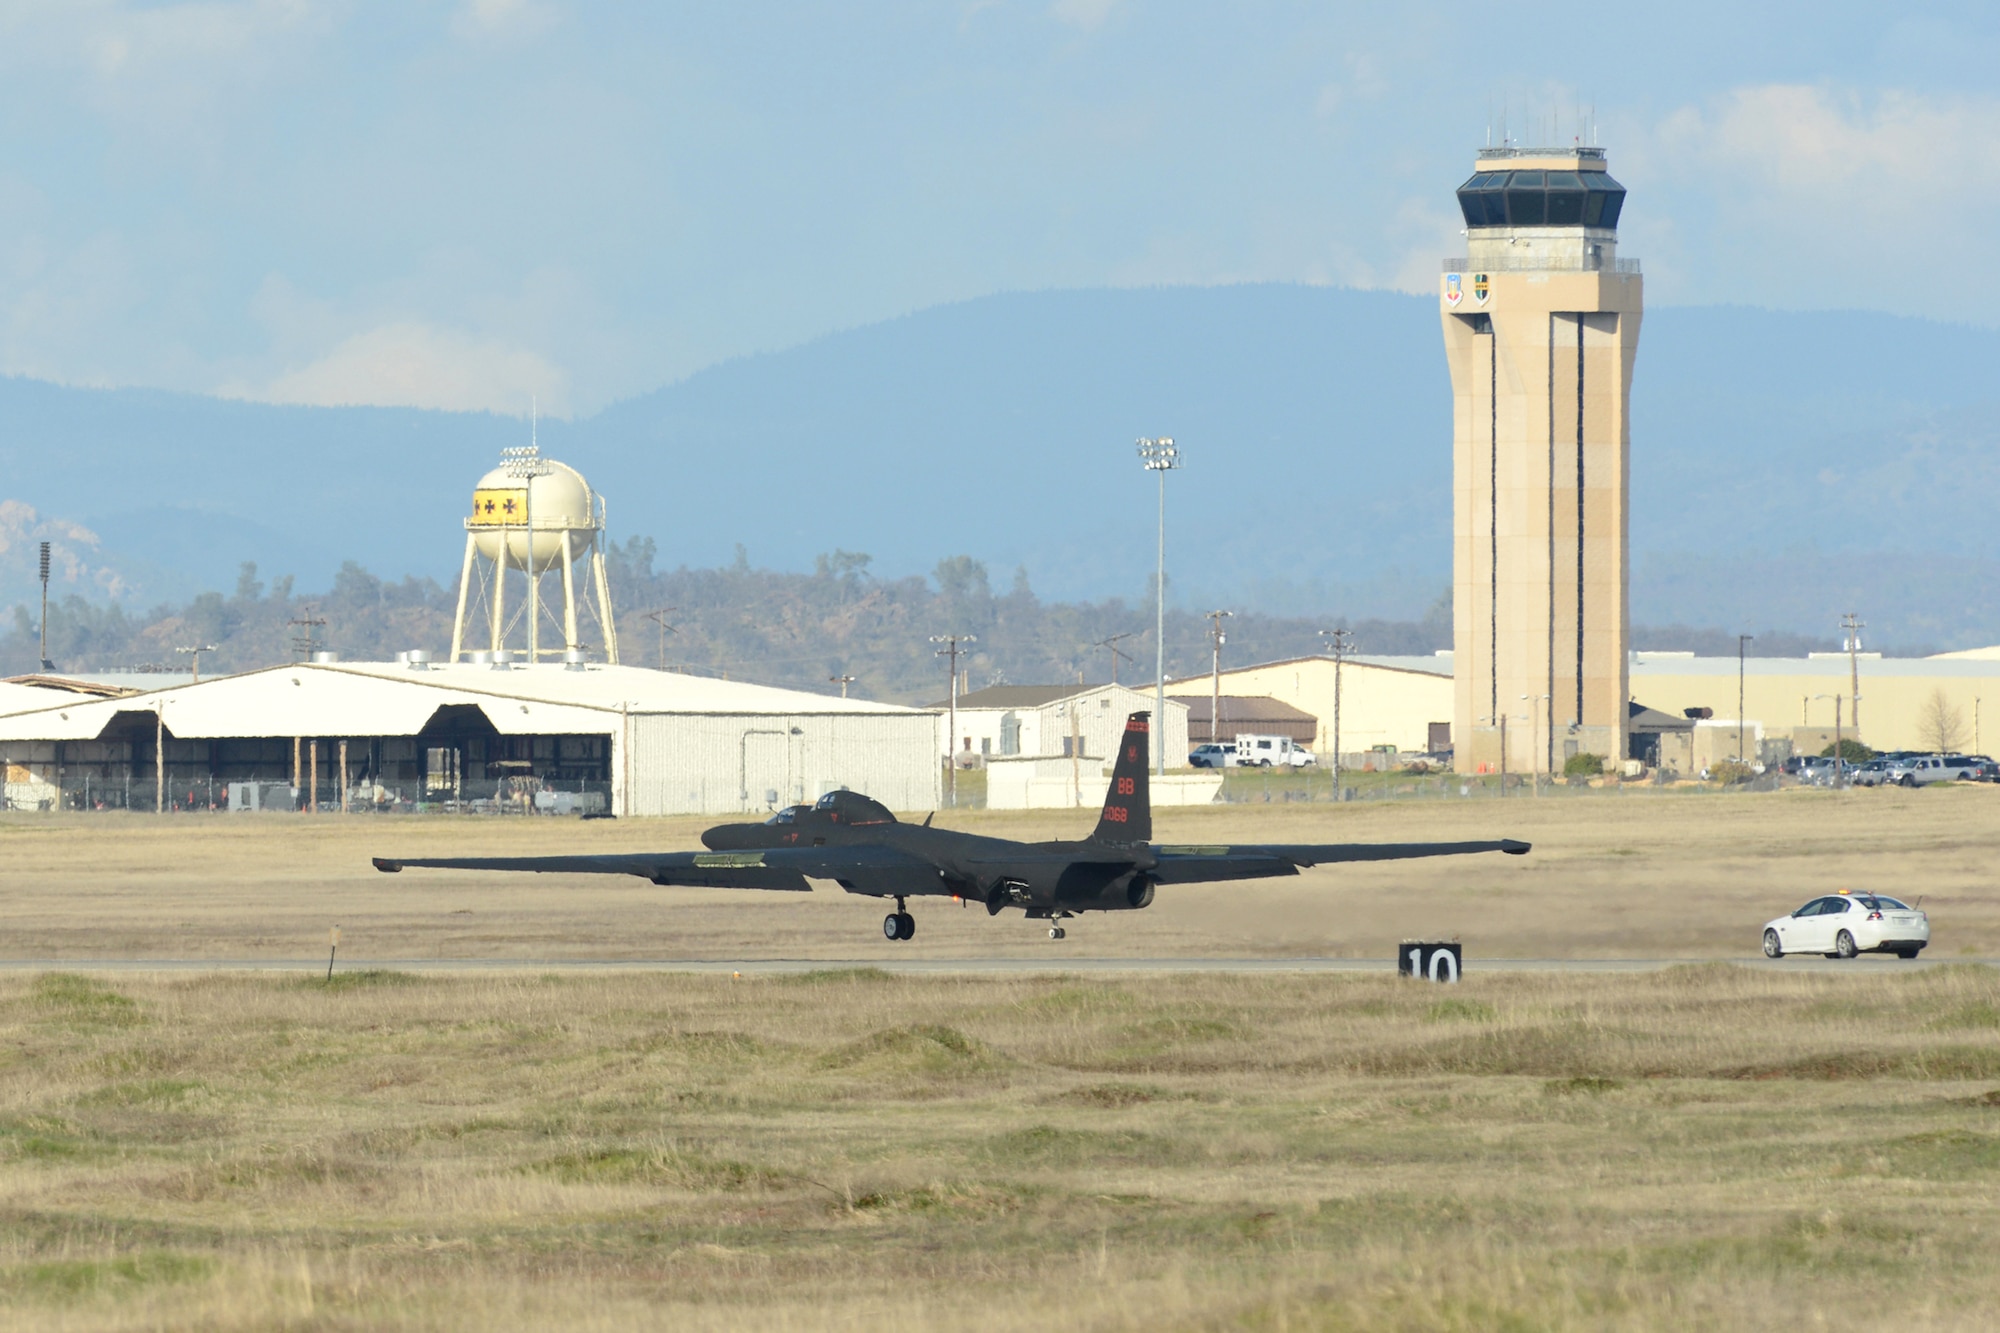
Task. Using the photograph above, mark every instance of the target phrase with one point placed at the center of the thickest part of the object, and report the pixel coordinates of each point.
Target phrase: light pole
(196, 653)
(1216, 638)
(842, 681)
(1534, 734)
(47, 665)
(525, 463)
(950, 652)
(1742, 641)
(1338, 641)
(1836, 736)
(1161, 457)
(1501, 722)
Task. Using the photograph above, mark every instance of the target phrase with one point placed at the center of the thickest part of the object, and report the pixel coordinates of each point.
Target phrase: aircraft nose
(725, 838)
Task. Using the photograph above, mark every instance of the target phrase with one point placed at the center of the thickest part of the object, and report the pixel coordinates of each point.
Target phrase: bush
(1853, 751)
(1727, 771)
(1583, 766)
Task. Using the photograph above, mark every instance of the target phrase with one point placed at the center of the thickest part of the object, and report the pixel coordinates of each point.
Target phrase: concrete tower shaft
(1541, 328)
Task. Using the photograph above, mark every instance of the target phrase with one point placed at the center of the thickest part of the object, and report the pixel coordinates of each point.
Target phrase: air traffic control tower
(1541, 325)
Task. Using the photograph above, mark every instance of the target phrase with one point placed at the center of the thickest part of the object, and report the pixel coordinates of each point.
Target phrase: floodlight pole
(843, 681)
(1161, 457)
(950, 652)
(195, 664)
(1742, 641)
(47, 665)
(1338, 641)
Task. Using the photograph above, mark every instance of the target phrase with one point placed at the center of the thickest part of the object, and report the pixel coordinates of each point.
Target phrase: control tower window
(1541, 198)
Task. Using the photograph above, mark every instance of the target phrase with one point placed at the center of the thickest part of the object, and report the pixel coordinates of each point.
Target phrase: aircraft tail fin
(1128, 805)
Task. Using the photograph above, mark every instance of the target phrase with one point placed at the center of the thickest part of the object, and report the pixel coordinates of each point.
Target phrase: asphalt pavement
(1054, 963)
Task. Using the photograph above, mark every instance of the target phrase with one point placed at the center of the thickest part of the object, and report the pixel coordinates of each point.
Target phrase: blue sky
(466, 204)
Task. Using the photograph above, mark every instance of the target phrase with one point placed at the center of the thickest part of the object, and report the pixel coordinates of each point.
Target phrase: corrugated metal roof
(386, 699)
(1242, 708)
(1015, 696)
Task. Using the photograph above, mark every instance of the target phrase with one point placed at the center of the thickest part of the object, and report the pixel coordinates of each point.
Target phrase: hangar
(1399, 702)
(473, 736)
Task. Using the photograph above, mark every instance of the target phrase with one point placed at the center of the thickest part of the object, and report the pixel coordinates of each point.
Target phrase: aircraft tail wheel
(1057, 932)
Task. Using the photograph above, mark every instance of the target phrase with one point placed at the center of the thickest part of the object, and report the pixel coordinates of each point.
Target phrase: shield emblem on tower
(1481, 289)
(1452, 291)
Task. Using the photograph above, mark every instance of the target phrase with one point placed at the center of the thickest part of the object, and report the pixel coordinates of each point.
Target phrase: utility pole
(1534, 741)
(196, 653)
(306, 644)
(1742, 642)
(1338, 642)
(951, 644)
(1836, 783)
(1501, 722)
(1216, 639)
(842, 681)
(1160, 457)
(47, 665)
(1853, 624)
(1116, 653)
(658, 615)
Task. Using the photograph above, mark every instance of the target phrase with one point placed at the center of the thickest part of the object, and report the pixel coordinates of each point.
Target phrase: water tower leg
(464, 587)
(500, 592)
(569, 595)
(604, 603)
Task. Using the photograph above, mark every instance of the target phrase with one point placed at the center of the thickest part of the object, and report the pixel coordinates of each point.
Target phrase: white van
(1267, 751)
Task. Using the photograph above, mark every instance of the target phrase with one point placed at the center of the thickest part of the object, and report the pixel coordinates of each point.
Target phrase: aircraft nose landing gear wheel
(899, 924)
(1057, 932)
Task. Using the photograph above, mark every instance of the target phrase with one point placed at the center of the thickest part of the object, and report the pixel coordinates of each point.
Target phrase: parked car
(1876, 772)
(1929, 769)
(1264, 751)
(1843, 925)
(1984, 769)
(1212, 756)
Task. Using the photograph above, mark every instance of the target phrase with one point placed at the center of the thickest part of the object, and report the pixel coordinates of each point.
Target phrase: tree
(1939, 725)
(1853, 751)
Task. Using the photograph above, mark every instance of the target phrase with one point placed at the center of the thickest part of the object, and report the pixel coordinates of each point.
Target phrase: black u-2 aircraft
(858, 844)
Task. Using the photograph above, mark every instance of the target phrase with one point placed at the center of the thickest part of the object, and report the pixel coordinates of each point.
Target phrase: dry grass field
(1635, 876)
(1703, 1146)
(1699, 1147)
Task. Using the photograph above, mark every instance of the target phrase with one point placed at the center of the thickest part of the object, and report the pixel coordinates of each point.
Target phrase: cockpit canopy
(851, 807)
(789, 815)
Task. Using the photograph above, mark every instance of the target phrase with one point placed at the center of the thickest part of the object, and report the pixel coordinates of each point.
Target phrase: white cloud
(419, 365)
(502, 18)
(1086, 14)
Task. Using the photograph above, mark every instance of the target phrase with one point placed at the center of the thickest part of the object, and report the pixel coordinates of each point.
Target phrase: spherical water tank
(561, 502)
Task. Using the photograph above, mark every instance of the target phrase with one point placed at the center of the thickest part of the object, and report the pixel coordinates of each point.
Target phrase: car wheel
(1773, 946)
(1843, 945)
(1909, 781)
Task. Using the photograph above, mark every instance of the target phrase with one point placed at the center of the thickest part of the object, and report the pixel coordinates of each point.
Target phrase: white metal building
(398, 735)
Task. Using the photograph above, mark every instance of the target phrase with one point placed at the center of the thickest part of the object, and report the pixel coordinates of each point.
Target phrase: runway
(1869, 966)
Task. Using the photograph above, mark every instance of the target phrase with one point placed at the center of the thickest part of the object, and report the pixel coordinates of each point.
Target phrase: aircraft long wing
(1180, 864)
(878, 870)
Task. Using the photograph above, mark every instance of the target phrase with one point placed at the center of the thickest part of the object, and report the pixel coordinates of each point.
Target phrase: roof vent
(418, 659)
(501, 660)
(479, 657)
(326, 655)
(573, 659)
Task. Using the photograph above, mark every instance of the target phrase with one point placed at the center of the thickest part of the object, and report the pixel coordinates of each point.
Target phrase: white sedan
(1845, 924)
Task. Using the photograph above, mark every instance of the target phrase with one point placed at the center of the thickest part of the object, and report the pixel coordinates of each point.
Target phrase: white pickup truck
(1267, 751)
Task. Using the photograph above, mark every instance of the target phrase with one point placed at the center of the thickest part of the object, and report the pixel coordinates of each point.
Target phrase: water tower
(532, 516)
